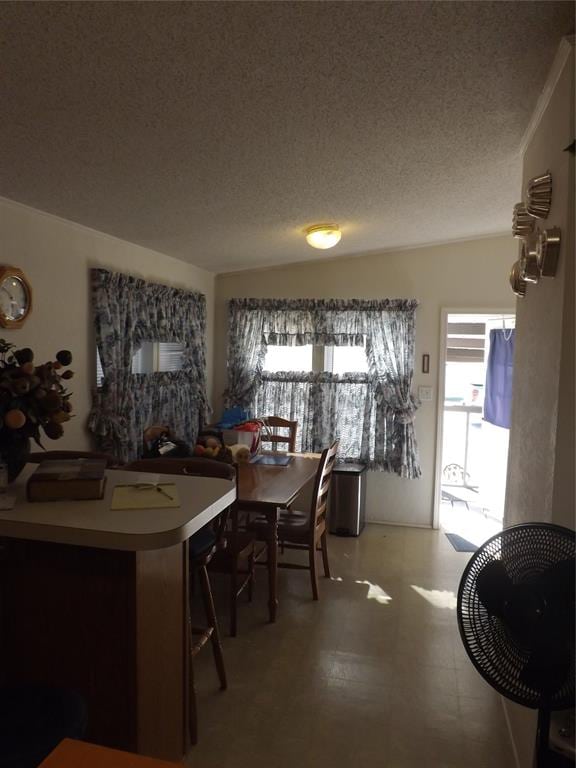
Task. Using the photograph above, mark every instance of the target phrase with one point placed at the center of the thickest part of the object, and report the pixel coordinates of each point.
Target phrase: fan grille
(526, 552)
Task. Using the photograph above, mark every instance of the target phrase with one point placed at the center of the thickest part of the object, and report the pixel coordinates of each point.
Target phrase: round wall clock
(15, 297)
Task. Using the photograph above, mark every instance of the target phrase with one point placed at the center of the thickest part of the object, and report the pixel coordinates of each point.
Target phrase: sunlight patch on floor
(439, 598)
(375, 592)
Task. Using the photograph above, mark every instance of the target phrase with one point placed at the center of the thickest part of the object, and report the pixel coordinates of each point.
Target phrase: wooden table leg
(273, 564)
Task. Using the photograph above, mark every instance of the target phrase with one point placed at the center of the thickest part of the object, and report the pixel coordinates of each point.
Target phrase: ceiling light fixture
(323, 235)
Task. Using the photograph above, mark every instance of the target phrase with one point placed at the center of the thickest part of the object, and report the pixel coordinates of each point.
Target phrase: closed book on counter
(68, 479)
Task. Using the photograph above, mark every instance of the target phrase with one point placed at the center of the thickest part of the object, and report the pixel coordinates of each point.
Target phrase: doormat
(460, 544)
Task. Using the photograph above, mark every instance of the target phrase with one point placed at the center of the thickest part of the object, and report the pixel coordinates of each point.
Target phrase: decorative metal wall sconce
(529, 270)
(522, 223)
(517, 283)
(539, 196)
(540, 248)
(548, 251)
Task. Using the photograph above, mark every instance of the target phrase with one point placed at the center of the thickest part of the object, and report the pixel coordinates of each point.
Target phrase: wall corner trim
(564, 50)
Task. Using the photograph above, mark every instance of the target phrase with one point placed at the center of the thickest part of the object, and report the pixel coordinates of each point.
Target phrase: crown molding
(562, 54)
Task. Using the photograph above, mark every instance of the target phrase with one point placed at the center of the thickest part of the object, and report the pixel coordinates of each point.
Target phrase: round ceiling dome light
(323, 235)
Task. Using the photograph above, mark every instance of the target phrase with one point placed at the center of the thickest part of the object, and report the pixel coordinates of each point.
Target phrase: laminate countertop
(94, 524)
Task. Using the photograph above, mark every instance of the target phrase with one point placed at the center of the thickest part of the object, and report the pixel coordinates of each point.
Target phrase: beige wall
(467, 275)
(541, 458)
(56, 255)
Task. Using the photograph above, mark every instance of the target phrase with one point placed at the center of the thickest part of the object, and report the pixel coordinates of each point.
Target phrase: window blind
(465, 342)
(170, 356)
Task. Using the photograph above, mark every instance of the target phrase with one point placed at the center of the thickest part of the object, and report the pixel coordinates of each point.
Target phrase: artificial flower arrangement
(33, 398)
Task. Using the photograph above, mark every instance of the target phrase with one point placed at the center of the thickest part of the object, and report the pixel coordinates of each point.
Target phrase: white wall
(541, 459)
(56, 256)
(463, 275)
(542, 423)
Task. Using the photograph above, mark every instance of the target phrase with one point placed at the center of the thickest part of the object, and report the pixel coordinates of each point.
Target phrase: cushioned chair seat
(291, 516)
(287, 521)
(33, 721)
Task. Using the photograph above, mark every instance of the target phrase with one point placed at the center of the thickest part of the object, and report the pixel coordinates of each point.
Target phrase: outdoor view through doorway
(475, 425)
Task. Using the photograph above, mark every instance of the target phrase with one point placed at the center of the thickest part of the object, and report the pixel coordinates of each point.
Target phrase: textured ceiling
(216, 131)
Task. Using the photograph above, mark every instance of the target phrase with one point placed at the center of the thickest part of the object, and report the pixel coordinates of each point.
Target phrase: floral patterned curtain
(390, 353)
(127, 312)
(372, 414)
(246, 352)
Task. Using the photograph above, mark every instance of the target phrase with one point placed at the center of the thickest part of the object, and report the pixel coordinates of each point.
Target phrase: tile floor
(373, 674)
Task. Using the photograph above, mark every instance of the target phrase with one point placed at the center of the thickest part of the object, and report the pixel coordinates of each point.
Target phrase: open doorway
(472, 425)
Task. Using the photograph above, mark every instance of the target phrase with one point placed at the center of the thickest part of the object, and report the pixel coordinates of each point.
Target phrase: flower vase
(14, 452)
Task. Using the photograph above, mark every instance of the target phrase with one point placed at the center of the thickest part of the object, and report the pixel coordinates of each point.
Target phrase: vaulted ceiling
(217, 131)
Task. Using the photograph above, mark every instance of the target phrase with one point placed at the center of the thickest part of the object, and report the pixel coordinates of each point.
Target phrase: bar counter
(97, 600)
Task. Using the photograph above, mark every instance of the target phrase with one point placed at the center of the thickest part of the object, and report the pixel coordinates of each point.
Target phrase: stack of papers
(145, 495)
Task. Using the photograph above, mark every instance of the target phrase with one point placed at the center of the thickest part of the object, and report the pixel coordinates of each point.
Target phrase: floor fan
(516, 619)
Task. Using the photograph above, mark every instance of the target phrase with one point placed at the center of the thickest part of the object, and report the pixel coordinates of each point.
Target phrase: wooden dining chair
(202, 547)
(37, 457)
(271, 434)
(300, 530)
(238, 560)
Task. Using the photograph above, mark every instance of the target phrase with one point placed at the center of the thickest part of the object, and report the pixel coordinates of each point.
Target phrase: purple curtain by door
(498, 394)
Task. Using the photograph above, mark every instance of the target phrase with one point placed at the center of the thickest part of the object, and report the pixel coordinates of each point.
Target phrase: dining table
(266, 489)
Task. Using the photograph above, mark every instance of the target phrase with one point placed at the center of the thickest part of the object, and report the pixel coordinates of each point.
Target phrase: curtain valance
(296, 322)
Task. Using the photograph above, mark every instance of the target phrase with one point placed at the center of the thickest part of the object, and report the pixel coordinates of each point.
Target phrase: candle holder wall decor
(529, 269)
(540, 248)
(517, 283)
(539, 196)
(548, 251)
(522, 223)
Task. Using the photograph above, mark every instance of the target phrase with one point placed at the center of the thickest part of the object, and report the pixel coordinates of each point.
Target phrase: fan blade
(548, 668)
(558, 581)
(549, 665)
(494, 587)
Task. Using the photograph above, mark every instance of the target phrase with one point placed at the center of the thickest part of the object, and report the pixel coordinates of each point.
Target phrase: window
(321, 380)
(345, 360)
(288, 358)
(152, 357)
(315, 359)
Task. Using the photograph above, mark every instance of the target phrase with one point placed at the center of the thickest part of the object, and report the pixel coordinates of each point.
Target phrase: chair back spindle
(322, 488)
(273, 423)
